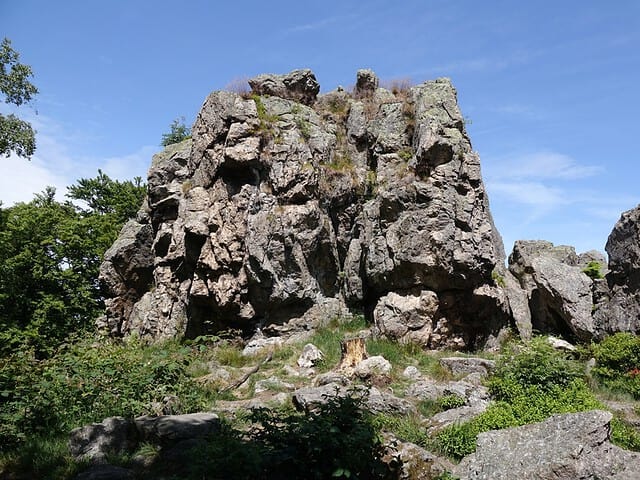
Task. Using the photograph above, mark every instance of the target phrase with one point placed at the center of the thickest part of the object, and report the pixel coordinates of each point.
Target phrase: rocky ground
(428, 391)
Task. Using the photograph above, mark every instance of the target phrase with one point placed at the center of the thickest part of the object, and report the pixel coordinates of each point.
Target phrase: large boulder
(618, 308)
(559, 293)
(564, 447)
(287, 207)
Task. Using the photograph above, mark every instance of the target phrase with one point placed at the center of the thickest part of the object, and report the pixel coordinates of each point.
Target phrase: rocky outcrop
(559, 293)
(287, 207)
(618, 301)
(564, 447)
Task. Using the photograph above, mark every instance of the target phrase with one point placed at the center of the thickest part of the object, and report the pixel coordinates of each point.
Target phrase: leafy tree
(15, 135)
(179, 132)
(50, 255)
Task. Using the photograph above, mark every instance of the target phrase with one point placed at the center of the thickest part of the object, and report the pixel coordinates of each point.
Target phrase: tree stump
(353, 351)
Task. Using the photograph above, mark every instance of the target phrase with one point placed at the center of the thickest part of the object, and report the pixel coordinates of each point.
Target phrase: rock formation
(618, 300)
(287, 207)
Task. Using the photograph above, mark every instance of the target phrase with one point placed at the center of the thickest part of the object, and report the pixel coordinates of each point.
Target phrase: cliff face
(287, 208)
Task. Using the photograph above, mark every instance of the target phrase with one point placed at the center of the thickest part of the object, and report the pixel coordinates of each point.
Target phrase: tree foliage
(16, 135)
(50, 254)
(178, 132)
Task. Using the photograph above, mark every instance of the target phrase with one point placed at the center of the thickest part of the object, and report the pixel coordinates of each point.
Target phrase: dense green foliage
(87, 381)
(177, 133)
(15, 135)
(618, 363)
(50, 253)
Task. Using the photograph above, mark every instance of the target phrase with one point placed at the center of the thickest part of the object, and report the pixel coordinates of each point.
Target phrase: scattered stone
(467, 365)
(560, 344)
(331, 377)
(94, 442)
(411, 372)
(259, 344)
(376, 365)
(310, 356)
(407, 317)
(271, 383)
(382, 402)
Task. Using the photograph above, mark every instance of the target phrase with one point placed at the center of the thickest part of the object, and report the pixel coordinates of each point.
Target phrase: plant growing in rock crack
(266, 126)
(593, 270)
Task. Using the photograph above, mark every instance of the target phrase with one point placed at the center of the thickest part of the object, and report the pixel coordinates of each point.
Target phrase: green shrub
(618, 363)
(593, 270)
(448, 402)
(86, 382)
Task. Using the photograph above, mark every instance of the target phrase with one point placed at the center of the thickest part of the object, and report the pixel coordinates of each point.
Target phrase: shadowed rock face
(287, 208)
(618, 306)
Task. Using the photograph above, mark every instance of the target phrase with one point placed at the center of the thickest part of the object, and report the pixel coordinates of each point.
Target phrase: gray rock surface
(618, 305)
(278, 216)
(559, 293)
(298, 85)
(94, 442)
(564, 447)
(310, 356)
(416, 463)
(467, 365)
(172, 428)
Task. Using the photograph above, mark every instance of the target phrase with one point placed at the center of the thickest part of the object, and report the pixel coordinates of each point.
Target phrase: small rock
(331, 377)
(366, 82)
(257, 345)
(466, 365)
(310, 356)
(412, 373)
(560, 344)
(376, 365)
(272, 383)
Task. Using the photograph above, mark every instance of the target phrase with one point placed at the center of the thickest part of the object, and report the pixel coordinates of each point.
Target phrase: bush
(530, 383)
(618, 363)
(593, 270)
(178, 132)
(88, 382)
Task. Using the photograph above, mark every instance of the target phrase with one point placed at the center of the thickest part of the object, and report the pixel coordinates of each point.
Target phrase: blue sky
(551, 88)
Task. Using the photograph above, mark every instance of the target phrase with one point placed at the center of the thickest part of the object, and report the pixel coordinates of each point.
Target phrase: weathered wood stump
(353, 351)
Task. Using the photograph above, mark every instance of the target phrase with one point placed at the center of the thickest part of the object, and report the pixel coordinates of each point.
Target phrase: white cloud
(21, 179)
(545, 165)
(54, 164)
(129, 166)
(529, 193)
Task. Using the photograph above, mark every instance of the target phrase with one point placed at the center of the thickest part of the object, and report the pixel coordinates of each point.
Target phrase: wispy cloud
(55, 164)
(318, 24)
(544, 165)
